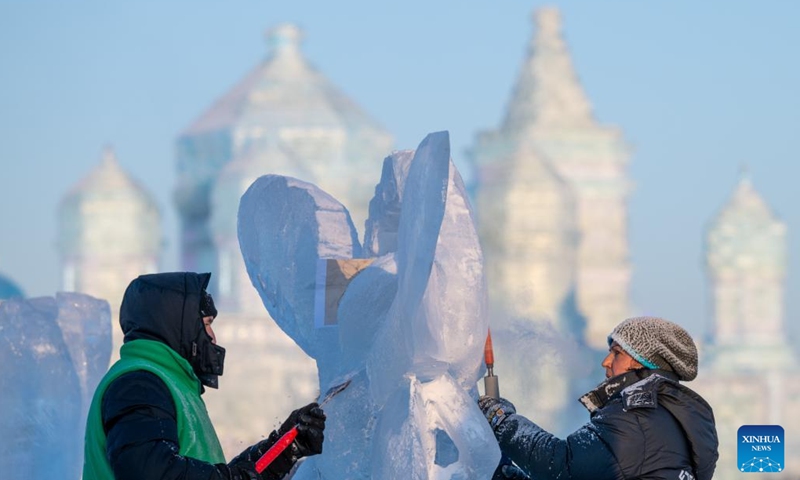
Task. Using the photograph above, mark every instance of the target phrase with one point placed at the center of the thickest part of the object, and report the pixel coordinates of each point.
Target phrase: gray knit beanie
(657, 343)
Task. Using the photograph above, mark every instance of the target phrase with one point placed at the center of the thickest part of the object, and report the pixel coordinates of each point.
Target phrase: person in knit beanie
(656, 343)
(643, 423)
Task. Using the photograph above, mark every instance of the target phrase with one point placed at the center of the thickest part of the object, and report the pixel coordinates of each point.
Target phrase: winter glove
(496, 410)
(310, 422)
(509, 472)
(243, 467)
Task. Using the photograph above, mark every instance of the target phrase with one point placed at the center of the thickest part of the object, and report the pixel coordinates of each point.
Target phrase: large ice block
(409, 328)
(40, 393)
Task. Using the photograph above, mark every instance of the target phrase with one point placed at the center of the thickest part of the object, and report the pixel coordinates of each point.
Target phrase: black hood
(165, 307)
(697, 420)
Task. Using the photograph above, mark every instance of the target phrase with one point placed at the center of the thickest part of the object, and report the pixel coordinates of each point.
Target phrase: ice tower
(746, 265)
(109, 232)
(529, 232)
(748, 370)
(549, 119)
(283, 104)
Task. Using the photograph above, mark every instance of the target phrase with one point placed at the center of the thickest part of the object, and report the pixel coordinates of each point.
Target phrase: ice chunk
(364, 307)
(443, 437)
(40, 393)
(53, 352)
(380, 236)
(349, 435)
(85, 324)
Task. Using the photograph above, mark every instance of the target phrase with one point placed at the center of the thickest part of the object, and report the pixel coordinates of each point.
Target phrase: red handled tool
(288, 437)
(275, 450)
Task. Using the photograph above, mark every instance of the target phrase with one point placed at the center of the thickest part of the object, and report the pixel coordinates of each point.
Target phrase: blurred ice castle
(551, 198)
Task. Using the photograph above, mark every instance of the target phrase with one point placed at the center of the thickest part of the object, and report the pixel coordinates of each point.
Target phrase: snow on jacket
(643, 425)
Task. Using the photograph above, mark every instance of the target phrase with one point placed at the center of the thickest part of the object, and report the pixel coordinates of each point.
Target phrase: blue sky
(699, 88)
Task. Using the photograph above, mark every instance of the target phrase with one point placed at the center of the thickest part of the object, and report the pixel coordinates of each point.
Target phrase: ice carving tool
(288, 437)
(491, 386)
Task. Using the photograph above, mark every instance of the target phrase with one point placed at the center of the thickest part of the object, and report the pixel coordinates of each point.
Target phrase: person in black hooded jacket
(147, 419)
(643, 423)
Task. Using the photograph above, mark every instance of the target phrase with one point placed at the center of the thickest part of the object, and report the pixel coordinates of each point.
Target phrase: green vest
(195, 433)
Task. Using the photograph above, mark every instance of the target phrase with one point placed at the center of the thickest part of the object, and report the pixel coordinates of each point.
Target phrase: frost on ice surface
(411, 325)
(85, 324)
(53, 352)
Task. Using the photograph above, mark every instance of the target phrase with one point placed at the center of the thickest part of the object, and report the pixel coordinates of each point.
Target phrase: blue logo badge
(760, 448)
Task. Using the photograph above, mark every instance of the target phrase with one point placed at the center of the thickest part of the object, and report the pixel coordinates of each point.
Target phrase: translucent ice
(380, 236)
(42, 341)
(284, 226)
(410, 327)
(434, 332)
(85, 324)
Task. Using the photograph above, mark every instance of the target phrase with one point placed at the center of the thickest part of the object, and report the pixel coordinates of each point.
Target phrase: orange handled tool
(488, 351)
(491, 386)
(288, 437)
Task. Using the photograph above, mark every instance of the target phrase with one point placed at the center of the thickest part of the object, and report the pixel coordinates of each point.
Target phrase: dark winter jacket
(139, 415)
(150, 393)
(643, 425)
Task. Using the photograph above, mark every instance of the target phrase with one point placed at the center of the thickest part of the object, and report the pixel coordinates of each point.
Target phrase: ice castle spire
(746, 265)
(547, 91)
(549, 116)
(109, 232)
(750, 366)
(284, 40)
(530, 237)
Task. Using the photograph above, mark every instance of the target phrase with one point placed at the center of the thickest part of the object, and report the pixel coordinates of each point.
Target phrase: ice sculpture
(410, 326)
(53, 352)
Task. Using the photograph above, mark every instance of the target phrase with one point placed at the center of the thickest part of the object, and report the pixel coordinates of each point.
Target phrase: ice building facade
(551, 193)
(234, 290)
(284, 104)
(109, 232)
(576, 171)
(749, 371)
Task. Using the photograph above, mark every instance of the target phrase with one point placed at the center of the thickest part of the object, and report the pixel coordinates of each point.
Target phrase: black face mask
(207, 359)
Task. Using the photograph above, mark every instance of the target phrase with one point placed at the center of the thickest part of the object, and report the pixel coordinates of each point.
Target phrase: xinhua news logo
(760, 448)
